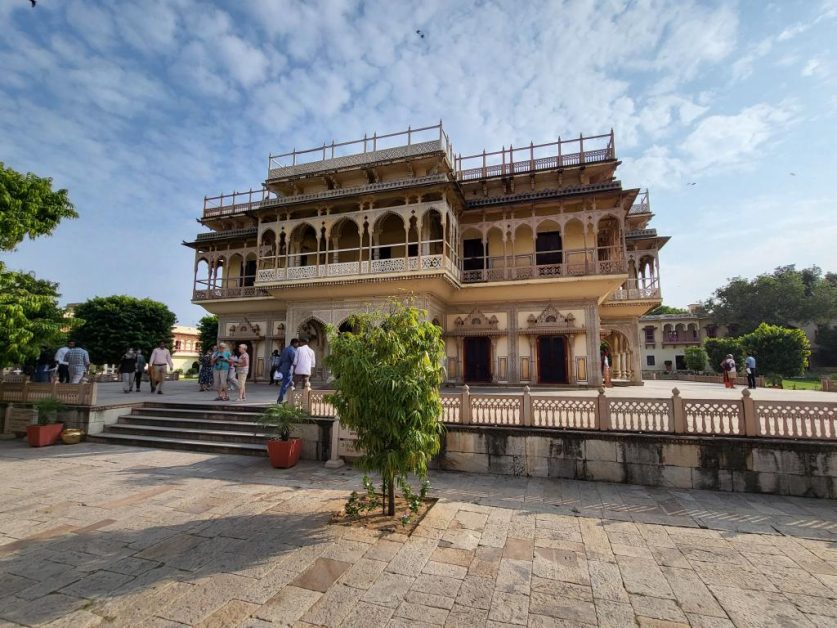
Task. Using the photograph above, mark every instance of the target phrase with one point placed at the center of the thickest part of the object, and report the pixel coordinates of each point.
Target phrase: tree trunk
(391, 497)
(383, 496)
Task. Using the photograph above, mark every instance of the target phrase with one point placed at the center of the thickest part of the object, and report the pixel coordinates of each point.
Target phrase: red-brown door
(552, 360)
(477, 359)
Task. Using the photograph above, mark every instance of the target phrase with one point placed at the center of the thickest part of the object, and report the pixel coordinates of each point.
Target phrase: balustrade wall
(744, 417)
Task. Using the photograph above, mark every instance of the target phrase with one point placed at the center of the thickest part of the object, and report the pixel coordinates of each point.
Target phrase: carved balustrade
(742, 417)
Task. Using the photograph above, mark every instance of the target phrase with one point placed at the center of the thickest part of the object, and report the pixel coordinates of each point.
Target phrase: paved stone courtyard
(186, 391)
(99, 534)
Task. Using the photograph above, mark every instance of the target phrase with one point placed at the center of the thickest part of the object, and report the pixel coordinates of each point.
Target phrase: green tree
(778, 350)
(29, 316)
(718, 348)
(387, 377)
(826, 353)
(785, 297)
(112, 324)
(667, 309)
(208, 331)
(29, 207)
(696, 359)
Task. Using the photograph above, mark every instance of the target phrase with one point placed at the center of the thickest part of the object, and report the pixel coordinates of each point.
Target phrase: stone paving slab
(104, 535)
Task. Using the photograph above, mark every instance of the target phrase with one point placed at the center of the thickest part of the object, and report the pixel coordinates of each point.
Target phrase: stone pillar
(534, 366)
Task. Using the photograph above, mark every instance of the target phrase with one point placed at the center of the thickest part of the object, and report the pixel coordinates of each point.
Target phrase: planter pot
(43, 435)
(284, 453)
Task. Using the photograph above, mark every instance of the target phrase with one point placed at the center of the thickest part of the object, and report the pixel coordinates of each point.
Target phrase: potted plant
(48, 429)
(280, 418)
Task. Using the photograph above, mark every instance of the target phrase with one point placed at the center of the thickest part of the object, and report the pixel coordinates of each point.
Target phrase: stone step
(199, 423)
(190, 434)
(217, 413)
(134, 440)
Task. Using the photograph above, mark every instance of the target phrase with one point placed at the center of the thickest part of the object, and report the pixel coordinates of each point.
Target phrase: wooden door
(552, 360)
(477, 359)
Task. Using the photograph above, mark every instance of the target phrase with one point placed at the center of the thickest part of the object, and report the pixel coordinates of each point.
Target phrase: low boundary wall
(781, 467)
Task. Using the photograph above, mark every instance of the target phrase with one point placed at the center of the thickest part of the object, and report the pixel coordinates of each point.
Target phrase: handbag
(277, 376)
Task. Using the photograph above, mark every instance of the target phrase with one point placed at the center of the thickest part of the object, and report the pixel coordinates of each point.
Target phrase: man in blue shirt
(750, 363)
(286, 360)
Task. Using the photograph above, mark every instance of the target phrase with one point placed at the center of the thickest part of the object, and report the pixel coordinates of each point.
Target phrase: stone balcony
(367, 269)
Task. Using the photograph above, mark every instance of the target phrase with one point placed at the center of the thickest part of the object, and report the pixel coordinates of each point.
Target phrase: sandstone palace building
(527, 257)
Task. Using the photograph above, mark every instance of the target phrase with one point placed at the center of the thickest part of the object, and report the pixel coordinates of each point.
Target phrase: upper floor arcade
(327, 215)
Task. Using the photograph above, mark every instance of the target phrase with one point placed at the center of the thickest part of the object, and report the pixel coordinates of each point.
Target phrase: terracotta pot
(284, 453)
(43, 435)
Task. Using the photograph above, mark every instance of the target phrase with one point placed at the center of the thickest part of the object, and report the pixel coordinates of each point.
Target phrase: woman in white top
(242, 367)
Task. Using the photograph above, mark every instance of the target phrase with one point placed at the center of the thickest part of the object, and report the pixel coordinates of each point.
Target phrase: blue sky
(142, 108)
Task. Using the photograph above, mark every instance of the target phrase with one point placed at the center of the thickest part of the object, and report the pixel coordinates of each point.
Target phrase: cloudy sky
(142, 108)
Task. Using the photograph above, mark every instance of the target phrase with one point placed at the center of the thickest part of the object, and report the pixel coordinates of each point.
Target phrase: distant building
(665, 338)
(186, 346)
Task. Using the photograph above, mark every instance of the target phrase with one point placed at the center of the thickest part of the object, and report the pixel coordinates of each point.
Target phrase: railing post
(334, 460)
(751, 426)
(306, 397)
(678, 411)
(603, 414)
(580, 148)
(466, 405)
(527, 407)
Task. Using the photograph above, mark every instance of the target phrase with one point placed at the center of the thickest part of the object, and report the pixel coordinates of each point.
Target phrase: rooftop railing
(367, 144)
(560, 154)
(641, 204)
(532, 158)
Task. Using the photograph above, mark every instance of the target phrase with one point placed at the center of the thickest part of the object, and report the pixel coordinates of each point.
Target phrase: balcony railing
(575, 263)
(560, 154)
(228, 293)
(343, 270)
(635, 294)
(240, 202)
(641, 204)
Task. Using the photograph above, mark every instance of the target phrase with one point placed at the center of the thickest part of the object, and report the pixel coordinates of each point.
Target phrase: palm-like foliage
(280, 419)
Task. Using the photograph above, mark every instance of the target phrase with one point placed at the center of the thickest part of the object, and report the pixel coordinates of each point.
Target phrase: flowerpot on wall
(284, 454)
(43, 435)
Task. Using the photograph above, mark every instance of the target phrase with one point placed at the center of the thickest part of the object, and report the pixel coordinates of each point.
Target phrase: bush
(387, 377)
(778, 350)
(696, 359)
(718, 348)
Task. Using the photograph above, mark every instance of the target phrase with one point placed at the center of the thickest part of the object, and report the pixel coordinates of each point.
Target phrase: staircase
(223, 429)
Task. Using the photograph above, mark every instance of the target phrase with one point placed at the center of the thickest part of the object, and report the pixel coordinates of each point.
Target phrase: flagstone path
(118, 536)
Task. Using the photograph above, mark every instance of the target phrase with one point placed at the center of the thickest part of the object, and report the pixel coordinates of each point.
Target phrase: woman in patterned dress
(205, 374)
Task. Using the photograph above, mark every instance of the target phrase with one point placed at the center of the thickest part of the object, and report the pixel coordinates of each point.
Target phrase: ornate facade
(528, 258)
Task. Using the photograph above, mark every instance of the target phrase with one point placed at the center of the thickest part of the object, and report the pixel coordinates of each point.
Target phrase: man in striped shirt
(78, 361)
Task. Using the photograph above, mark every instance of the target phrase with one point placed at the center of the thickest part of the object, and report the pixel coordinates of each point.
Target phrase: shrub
(696, 359)
(387, 377)
(778, 350)
(718, 348)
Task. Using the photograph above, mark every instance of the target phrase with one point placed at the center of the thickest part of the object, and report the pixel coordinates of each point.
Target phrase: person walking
(242, 368)
(43, 365)
(304, 364)
(221, 371)
(78, 361)
(274, 367)
(63, 367)
(139, 369)
(286, 363)
(728, 366)
(205, 373)
(750, 367)
(159, 360)
(128, 370)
